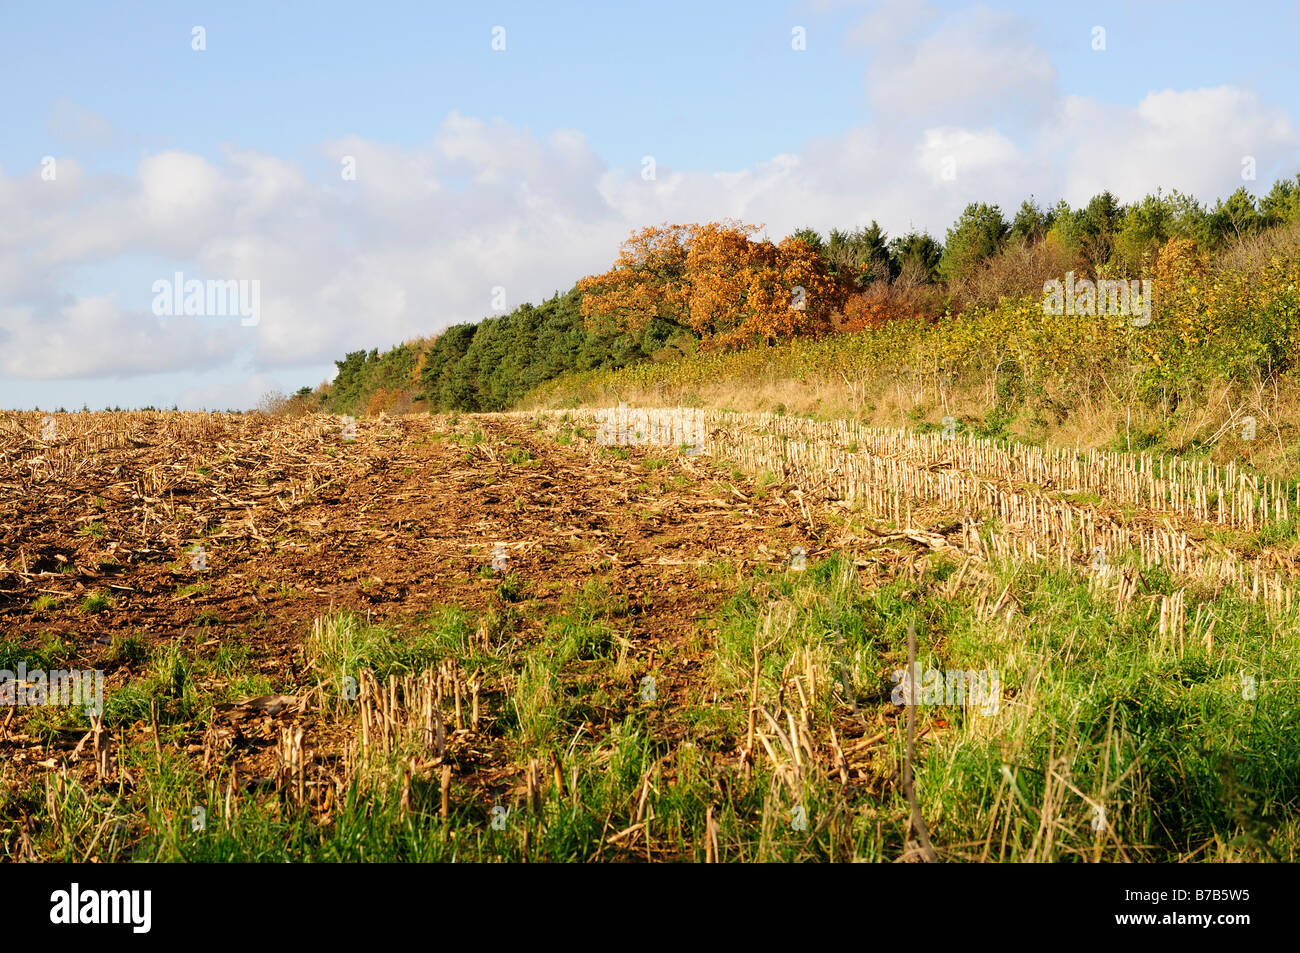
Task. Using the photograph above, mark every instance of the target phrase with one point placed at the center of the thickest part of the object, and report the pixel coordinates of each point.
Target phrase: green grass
(1182, 761)
(50, 652)
(510, 588)
(587, 628)
(96, 602)
(1187, 749)
(342, 645)
(128, 649)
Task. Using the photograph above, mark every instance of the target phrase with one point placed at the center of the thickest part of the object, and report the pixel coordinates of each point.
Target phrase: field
(509, 636)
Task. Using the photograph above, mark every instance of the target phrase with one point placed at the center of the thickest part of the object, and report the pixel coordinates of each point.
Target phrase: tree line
(677, 287)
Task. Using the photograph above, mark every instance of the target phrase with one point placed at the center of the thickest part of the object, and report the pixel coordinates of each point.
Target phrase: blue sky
(521, 169)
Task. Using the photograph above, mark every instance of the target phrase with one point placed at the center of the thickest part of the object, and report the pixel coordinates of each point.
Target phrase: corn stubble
(1139, 612)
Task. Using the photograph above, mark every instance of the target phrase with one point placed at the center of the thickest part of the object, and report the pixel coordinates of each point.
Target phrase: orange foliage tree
(648, 281)
(880, 304)
(717, 281)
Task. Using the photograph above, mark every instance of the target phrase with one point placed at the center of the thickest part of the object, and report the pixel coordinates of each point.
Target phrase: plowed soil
(296, 521)
(397, 520)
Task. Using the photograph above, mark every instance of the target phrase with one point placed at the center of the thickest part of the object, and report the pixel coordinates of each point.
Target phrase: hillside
(721, 286)
(911, 331)
(951, 566)
(539, 637)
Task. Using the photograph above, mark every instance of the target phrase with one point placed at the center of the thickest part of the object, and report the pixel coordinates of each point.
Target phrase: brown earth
(296, 522)
(393, 523)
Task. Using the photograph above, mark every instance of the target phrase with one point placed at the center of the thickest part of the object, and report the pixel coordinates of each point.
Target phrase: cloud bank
(367, 244)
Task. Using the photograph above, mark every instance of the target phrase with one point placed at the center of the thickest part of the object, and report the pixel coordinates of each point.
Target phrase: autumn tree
(720, 268)
(648, 281)
(716, 280)
(789, 294)
(880, 304)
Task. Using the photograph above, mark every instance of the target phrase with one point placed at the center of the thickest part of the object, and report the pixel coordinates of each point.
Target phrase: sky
(377, 172)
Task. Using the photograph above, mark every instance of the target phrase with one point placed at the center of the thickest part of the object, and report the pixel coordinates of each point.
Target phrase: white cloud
(978, 65)
(1191, 140)
(94, 337)
(965, 153)
(424, 234)
(179, 191)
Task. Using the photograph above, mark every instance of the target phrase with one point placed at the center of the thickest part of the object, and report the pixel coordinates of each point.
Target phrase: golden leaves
(718, 281)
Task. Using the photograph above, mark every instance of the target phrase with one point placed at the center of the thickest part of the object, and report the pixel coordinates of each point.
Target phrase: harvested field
(294, 521)
(511, 636)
